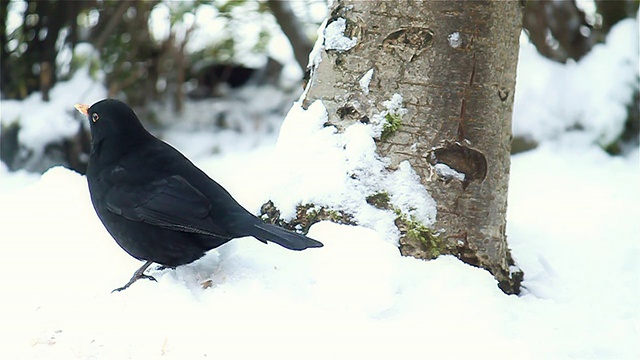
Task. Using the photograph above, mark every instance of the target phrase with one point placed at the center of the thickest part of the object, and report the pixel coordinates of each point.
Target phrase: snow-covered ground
(573, 227)
(572, 224)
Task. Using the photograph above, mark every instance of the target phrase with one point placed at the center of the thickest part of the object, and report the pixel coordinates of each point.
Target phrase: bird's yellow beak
(82, 108)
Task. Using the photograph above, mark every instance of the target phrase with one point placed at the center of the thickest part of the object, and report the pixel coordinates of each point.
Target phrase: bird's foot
(139, 274)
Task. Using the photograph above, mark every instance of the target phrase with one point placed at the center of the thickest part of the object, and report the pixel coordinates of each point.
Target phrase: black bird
(157, 205)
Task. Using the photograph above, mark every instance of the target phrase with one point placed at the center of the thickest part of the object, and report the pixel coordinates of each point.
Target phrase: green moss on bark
(393, 122)
(306, 215)
(415, 235)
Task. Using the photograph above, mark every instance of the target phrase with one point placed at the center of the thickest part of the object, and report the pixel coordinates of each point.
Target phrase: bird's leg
(139, 274)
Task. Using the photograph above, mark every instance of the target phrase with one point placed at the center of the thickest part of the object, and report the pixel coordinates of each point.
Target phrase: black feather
(156, 204)
(291, 240)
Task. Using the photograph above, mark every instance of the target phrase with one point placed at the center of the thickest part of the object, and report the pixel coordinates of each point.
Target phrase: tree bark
(454, 64)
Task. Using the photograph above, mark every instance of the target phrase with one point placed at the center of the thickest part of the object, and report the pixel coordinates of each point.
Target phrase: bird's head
(114, 121)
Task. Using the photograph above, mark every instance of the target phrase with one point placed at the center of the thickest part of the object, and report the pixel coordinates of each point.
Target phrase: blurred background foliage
(167, 52)
(147, 49)
(561, 30)
(151, 48)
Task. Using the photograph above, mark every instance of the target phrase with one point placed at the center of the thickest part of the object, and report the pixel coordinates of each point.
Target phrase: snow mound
(334, 38)
(45, 122)
(589, 97)
(341, 171)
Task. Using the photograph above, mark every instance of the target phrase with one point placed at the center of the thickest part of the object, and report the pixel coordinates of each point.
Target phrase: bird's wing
(171, 203)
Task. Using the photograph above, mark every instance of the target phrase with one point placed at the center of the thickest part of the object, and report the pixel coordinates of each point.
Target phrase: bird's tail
(285, 238)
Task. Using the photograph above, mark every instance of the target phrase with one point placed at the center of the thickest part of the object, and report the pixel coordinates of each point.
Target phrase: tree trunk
(454, 64)
(293, 30)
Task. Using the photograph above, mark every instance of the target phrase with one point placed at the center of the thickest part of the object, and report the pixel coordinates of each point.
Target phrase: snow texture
(446, 172)
(365, 80)
(587, 99)
(409, 195)
(334, 38)
(43, 122)
(315, 56)
(354, 298)
(454, 39)
(393, 107)
(341, 170)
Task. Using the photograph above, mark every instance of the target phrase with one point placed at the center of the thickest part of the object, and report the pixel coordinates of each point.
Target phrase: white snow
(392, 106)
(15, 16)
(572, 226)
(334, 38)
(160, 22)
(409, 196)
(454, 39)
(365, 80)
(315, 56)
(44, 122)
(242, 23)
(588, 97)
(446, 172)
(317, 165)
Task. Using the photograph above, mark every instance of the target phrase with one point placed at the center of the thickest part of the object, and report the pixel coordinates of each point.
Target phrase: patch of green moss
(306, 215)
(416, 235)
(313, 214)
(393, 122)
(423, 235)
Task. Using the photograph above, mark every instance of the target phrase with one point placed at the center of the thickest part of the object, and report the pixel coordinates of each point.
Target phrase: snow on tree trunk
(453, 65)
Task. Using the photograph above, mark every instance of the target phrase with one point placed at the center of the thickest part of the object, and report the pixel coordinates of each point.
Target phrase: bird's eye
(95, 117)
